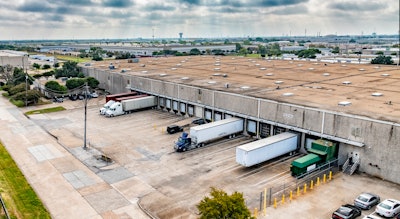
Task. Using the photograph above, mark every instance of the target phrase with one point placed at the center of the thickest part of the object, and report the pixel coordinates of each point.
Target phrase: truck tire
(183, 149)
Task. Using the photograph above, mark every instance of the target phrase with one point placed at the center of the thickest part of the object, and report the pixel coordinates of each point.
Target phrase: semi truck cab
(183, 142)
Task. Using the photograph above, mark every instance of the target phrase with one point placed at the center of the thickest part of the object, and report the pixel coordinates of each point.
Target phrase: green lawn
(19, 197)
(47, 110)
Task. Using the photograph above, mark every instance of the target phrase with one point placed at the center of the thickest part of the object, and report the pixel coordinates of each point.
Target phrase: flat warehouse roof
(360, 89)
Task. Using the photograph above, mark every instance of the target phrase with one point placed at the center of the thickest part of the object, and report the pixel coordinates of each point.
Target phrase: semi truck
(106, 106)
(321, 152)
(130, 105)
(203, 134)
(266, 149)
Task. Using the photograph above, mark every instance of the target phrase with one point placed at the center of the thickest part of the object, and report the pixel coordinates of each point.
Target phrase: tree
(55, 88)
(194, 51)
(92, 82)
(223, 206)
(238, 47)
(36, 65)
(384, 60)
(46, 66)
(31, 96)
(74, 83)
(262, 50)
(336, 50)
(69, 69)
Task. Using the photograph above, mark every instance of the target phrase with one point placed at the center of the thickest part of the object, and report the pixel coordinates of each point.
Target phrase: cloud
(158, 7)
(34, 6)
(118, 3)
(358, 6)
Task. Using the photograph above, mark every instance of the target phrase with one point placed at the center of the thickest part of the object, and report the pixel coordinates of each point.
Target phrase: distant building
(14, 58)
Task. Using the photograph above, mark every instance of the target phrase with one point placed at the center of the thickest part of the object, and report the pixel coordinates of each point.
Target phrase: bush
(18, 88)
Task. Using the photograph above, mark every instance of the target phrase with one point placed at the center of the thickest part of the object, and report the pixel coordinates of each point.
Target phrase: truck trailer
(114, 96)
(130, 105)
(107, 106)
(202, 134)
(265, 149)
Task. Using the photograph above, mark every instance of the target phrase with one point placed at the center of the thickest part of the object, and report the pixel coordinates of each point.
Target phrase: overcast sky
(109, 19)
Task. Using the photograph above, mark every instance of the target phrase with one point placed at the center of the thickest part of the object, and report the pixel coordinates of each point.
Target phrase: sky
(127, 19)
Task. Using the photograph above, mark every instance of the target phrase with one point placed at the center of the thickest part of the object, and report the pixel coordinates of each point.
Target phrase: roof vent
(344, 103)
(163, 75)
(185, 78)
(269, 74)
(144, 72)
(253, 61)
(346, 82)
(287, 94)
(178, 64)
(326, 74)
(377, 94)
(217, 64)
(278, 82)
(361, 69)
(376, 67)
(257, 64)
(310, 68)
(263, 68)
(216, 74)
(173, 68)
(385, 75)
(299, 65)
(233, 58)
(212, 82)
(344, 65)
(217, 69)
(183, 61)
(245, 87)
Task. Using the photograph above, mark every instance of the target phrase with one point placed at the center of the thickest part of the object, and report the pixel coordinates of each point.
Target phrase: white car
(388, 208)
(372, 216)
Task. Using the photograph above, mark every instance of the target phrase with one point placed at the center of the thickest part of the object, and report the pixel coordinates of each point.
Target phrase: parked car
(366, 200)
(58, 100)
(346, 211)
(94, 95)
(372, 216)
(398, 216)
(388, 208)
(199, 121)
(73, 97)
(174, 129)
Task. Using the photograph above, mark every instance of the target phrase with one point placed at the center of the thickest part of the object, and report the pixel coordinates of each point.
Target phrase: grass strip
(20, 199)
(47, 110)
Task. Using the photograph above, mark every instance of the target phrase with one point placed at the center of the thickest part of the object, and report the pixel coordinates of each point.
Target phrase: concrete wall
(379, 155)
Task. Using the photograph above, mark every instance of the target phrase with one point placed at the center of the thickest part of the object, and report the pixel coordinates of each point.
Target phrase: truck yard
(146, 170)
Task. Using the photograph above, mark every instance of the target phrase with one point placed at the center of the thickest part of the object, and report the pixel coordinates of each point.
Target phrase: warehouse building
(356, 106)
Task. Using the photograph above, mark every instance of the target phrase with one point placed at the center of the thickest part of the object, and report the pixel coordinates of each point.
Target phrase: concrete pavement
(67, 187)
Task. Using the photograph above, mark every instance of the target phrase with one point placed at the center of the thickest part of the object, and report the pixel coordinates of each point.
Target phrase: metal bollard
(291, 195)
(305, 188)
(330, 175)
(283, 198)
(324, 178)
(312, 184)
(265, 202)
(298, 191)
(255, 212)
(317, 181)
(275, 203)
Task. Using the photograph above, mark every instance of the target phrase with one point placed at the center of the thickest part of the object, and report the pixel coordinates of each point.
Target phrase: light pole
(84, 134)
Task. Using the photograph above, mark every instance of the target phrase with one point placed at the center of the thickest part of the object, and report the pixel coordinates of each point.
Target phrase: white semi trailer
(202, 134)
(130, 105)
(265, 149)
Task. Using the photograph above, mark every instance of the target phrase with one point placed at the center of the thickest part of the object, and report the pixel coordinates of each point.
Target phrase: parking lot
(145, 167)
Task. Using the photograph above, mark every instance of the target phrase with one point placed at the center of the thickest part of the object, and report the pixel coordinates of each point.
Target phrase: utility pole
(84, 135)
(26, 80)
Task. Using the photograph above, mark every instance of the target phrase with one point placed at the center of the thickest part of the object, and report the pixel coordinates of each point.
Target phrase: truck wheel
(183, 149)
